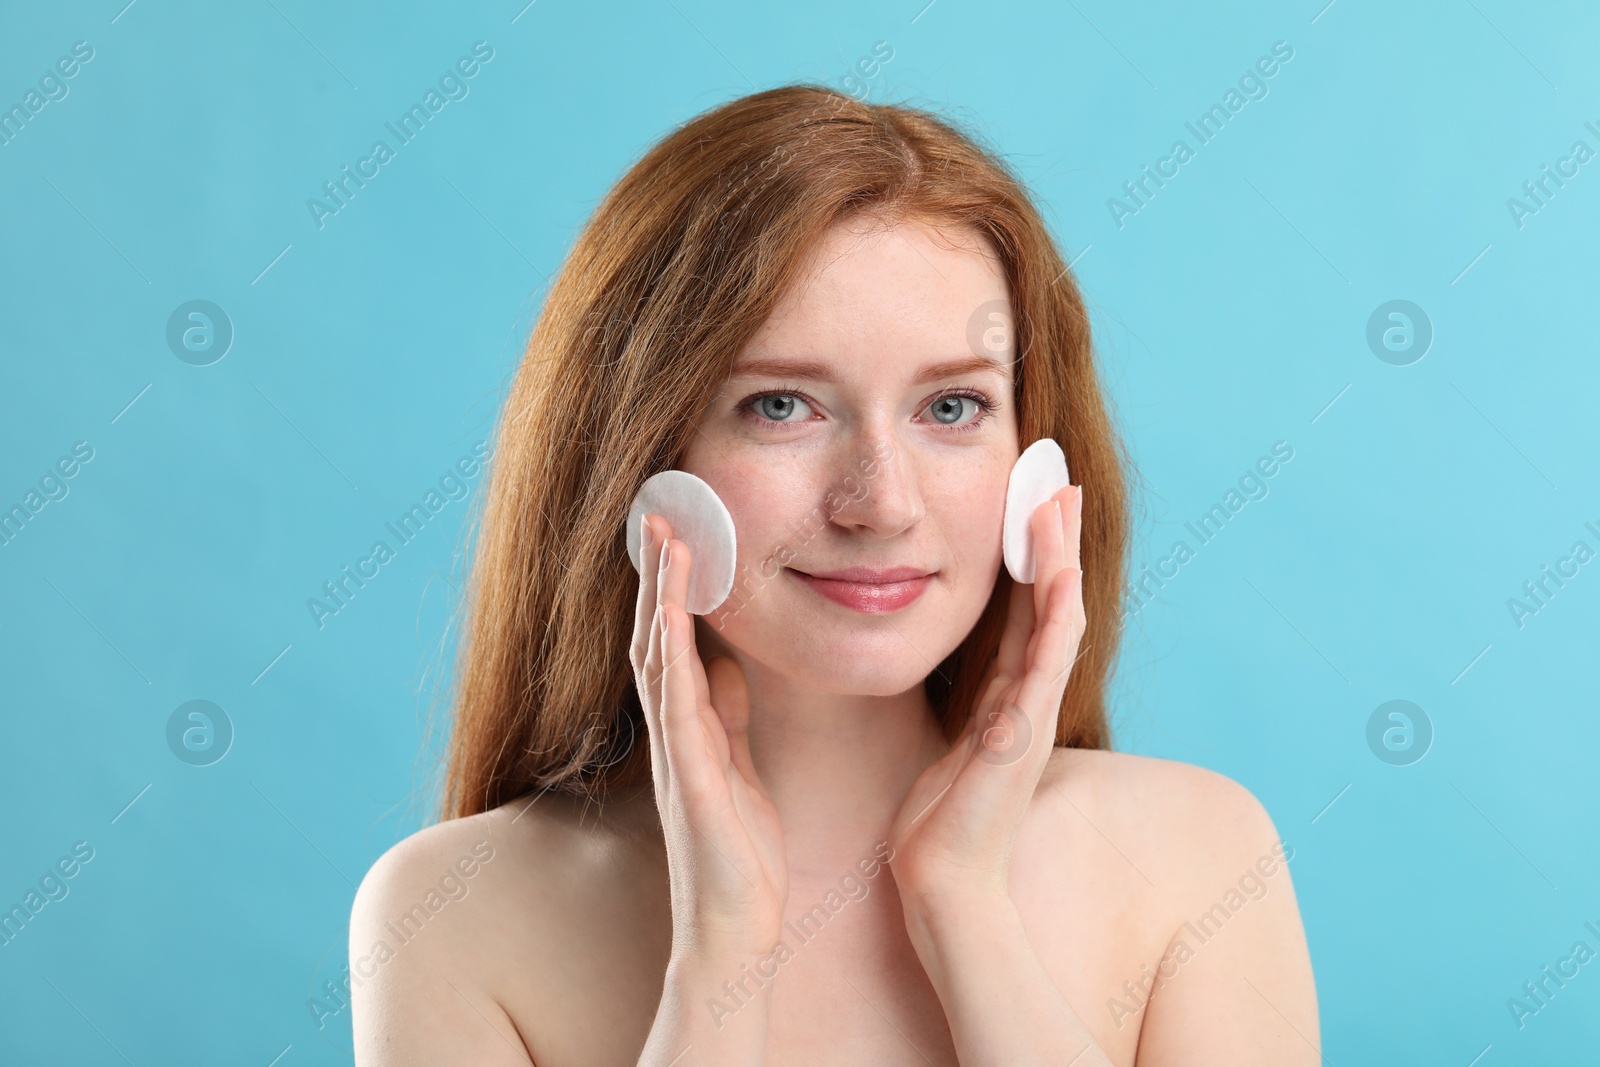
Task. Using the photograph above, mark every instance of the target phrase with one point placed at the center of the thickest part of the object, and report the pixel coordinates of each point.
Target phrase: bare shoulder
(1188, 820)
(445, 922)
(1228, 979)
(420, 920)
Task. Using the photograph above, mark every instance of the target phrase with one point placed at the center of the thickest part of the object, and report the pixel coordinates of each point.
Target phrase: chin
(880, 656)
(853, 677)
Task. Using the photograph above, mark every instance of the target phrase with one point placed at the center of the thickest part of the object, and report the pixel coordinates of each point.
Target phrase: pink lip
(875, 592)
(870, 575)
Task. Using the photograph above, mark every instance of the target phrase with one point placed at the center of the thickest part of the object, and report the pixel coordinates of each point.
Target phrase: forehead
(892, 291)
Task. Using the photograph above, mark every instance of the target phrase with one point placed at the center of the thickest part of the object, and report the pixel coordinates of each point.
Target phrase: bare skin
(564, 936)
(1036, 937)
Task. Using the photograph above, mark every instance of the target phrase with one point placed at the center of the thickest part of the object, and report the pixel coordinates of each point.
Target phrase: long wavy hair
(674, 273)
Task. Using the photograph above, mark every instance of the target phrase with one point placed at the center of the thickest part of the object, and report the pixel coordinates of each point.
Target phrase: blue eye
(959, 409)
(948, 409)
(776, 407)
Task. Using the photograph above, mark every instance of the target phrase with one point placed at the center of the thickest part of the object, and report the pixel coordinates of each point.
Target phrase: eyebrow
(815, 371)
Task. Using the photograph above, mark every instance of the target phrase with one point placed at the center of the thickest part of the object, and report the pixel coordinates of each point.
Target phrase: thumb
(978, 717)
(730, 699)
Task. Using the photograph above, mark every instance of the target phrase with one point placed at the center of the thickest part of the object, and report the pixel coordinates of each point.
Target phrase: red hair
(678, 267)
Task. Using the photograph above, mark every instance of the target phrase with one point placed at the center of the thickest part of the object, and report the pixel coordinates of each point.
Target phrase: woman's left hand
(954, 832)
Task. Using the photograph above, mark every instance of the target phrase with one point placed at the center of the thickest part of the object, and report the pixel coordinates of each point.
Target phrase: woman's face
(869, 425)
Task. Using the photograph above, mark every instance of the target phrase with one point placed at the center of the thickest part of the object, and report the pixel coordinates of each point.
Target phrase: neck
(838, 765)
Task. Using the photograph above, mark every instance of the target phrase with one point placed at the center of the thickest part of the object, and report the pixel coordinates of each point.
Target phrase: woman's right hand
(724, 842)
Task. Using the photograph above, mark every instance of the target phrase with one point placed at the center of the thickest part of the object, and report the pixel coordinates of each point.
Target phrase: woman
(823, 823)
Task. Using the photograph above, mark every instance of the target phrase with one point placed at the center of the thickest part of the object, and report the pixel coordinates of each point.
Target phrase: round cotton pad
(1040, 472)
(700, 520)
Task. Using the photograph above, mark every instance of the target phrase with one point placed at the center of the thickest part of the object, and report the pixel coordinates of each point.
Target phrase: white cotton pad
(700, 520)
(1039, 474)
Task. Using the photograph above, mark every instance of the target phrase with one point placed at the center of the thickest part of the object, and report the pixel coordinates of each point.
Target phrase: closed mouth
(869, 575)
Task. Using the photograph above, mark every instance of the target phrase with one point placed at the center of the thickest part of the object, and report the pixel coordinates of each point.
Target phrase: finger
(988, 702)
(702, 683)
(1027, 599)
(683, 561)
(1074, 527)
(1054, 650)
(1011, 658)
(1021, 723)
(645, 605)
(655, 659)
(650, 586)
(1080, 620)
(730, 700)
(682, 727)
(712, 729)
(648, 677)
(1049, 548)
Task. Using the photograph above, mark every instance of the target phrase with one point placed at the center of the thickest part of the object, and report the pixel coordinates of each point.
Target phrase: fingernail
(647, 536)
(666, 554)
(1077, 503)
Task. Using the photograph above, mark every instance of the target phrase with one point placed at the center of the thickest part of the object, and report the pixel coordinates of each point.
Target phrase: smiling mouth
(867, 591)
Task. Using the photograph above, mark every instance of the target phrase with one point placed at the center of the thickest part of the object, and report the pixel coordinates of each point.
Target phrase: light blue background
(1230, 313)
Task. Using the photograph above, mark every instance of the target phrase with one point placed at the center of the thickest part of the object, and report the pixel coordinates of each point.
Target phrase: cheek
(771, 498)
(970, 513)
(777, 524)
(779, 520)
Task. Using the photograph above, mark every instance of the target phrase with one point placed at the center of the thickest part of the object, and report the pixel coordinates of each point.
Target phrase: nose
(880, 487)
